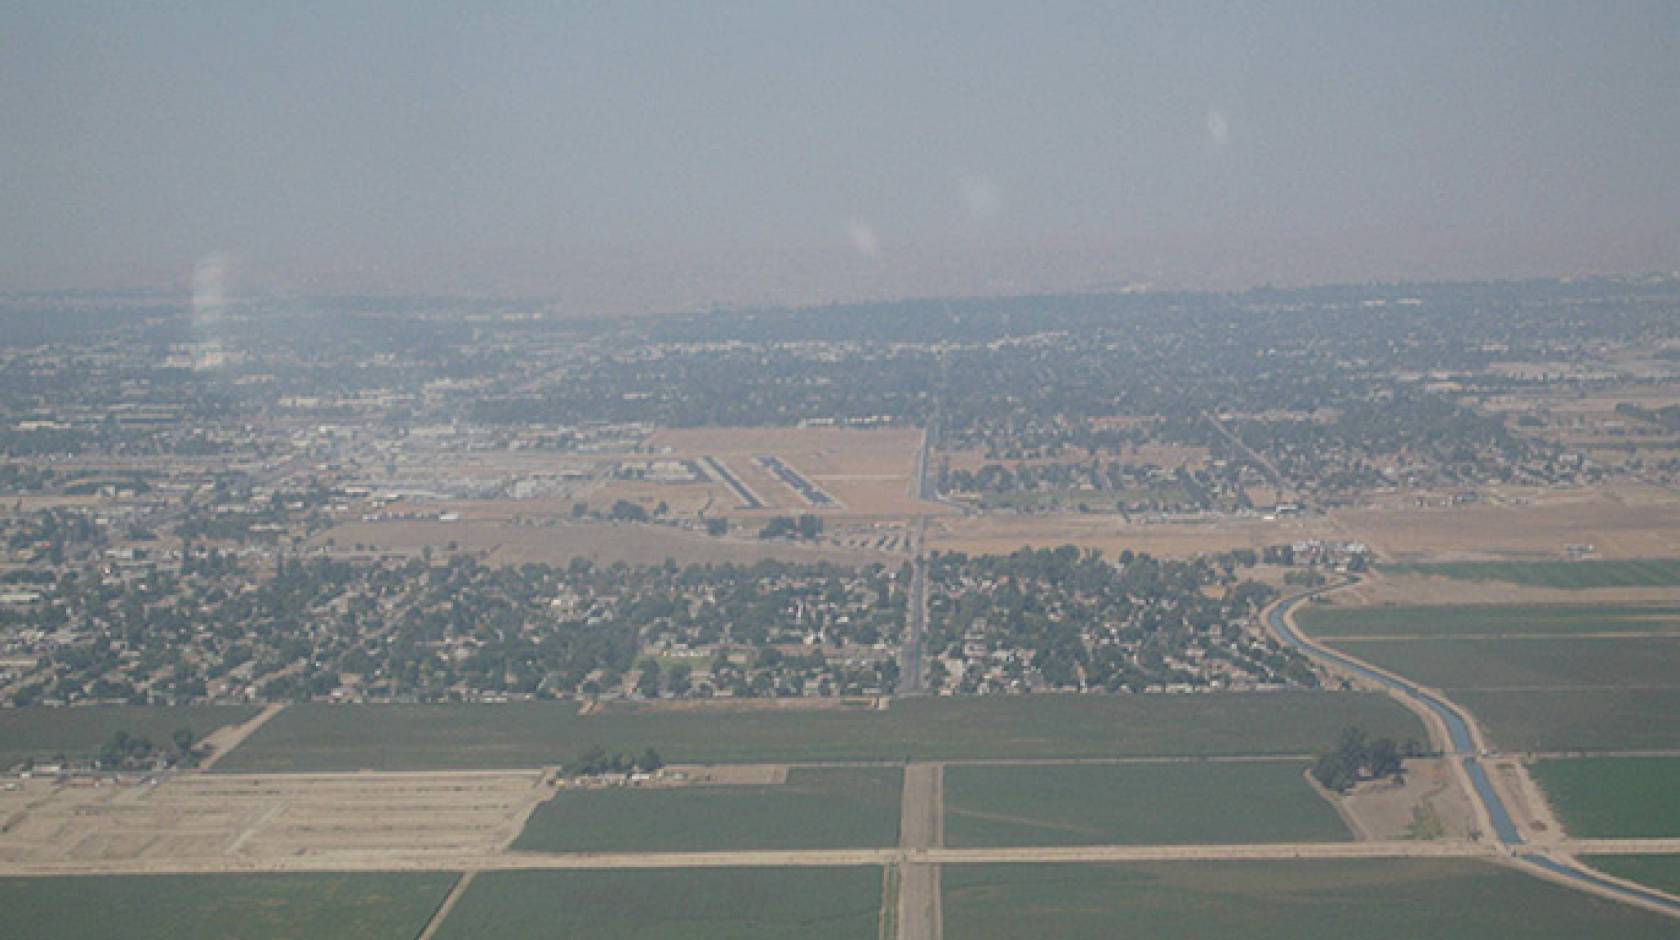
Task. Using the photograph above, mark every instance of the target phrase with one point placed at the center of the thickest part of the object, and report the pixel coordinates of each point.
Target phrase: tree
(1382, 758)
(650, 761)
(648, 683)
(1331, 773)
(592, 761)
(678, 680)
(1356, 755)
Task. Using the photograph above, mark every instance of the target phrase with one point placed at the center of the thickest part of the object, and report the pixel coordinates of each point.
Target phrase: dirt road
(389, 860)
(223, 740)
(921, 822)
(921, 829)
(442, 913)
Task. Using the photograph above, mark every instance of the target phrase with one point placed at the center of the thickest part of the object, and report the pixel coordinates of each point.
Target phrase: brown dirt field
(1405, 590)
(271, 816)
(1431, 792)
(560, 542)
(1111, 534)
(867, 470)
(680, 499)
(1621, 522)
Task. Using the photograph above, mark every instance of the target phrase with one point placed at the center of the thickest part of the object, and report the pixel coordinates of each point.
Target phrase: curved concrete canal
(1462, 746)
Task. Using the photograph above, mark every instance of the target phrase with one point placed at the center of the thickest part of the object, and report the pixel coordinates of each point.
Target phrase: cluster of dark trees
(596, 760)
(805, 526)
(1357, 756)
(125, 751)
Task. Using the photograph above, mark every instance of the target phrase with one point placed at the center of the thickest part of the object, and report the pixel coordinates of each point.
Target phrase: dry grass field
(867, 470)
(267, 816)
(1402, 590)
(1001, 534)
(1619, 522)
(558, 542)
(1427, 803)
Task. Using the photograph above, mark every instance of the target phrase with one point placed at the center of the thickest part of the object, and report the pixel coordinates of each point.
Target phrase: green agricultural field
(1577, 719)
(1061, 804)
(212, 907)
(1473, 619)
(1377, 899)
(405, 737)
(1572, 575)
(1654, 871)
(79, 732)
(829, 807)
(680, 904)
(1614, 797)
(1642, 663)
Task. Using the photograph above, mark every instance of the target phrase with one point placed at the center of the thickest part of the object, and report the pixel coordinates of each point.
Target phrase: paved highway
(912, 663)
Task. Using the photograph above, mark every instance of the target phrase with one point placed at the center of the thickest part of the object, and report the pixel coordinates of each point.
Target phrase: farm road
(921, 828)
(225, 739)
(400, 861)
(442, 913)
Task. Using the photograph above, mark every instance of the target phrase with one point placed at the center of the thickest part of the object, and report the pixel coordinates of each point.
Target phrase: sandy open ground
(1428, 804)
(234, 817)
(867, 470)
(559, 542)
(1623, 522)
(1620, 522)
(1004, 533)
(1406, 590)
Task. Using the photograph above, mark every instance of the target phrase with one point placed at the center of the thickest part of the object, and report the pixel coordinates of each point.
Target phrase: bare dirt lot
(1619, 522)
(1630, 521)
(1006, 533)
(555, 542)
(1429, 804)
(867, 470)
(1403, 590)
(285, 815)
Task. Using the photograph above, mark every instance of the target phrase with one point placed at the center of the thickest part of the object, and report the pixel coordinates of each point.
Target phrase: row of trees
(596, 760)
(125, 751)
(806, 527)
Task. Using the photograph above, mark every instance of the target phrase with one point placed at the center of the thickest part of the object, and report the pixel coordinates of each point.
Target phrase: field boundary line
(448, 904)
(234, 735)
(1349, 819)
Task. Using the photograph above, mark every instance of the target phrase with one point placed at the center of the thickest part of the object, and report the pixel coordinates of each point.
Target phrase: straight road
(919, 910)
(398, 861)
(921, 827)
(442, 913)
(912, 663)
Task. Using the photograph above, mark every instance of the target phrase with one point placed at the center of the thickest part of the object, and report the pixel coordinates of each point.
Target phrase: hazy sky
(619, 155)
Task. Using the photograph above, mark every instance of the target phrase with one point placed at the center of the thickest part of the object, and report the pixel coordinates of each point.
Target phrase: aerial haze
(684, 471)
(628, 157)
